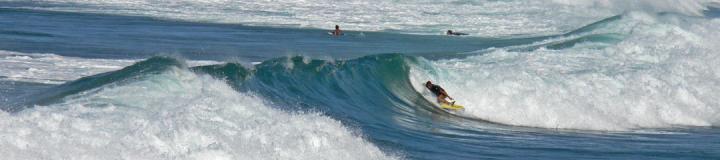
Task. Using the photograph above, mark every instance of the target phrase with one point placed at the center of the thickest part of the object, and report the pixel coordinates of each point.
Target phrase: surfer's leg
(441, 99)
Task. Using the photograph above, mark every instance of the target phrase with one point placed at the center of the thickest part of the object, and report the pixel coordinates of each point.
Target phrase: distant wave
(479, 18)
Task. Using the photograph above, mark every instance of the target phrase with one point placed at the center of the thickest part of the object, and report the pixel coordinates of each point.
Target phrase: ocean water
(213, 79)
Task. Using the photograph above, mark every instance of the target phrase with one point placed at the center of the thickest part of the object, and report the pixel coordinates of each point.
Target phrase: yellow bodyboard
(453, 107)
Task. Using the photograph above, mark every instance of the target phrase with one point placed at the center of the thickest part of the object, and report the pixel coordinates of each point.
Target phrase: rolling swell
(355, 88)
(600, 32)
(137, 71)
(352, 88)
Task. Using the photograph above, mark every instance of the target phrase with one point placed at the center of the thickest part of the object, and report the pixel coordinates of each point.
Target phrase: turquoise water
(633, 85)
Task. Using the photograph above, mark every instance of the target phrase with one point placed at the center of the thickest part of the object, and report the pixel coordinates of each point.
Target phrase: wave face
(483, 18)
(155, 109)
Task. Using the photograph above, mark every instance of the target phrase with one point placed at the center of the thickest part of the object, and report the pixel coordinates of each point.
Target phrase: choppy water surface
(257, 80)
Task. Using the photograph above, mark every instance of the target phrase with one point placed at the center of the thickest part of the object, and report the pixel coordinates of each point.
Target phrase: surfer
(451, 33)
(337, 31)
(439, 92)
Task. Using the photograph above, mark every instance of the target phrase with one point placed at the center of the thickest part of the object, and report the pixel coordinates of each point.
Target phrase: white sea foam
(484, 18)
(664, 74)
(175, 115)
(56, 69)
(692, 7)
(52, 69)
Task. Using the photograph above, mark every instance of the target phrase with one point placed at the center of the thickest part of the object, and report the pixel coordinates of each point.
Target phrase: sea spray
(662, 75)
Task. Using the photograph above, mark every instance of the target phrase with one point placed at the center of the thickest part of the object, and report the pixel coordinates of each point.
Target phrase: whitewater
(154, 79)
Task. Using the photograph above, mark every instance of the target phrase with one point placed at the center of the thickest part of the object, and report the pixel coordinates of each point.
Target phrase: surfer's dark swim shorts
(435, 89)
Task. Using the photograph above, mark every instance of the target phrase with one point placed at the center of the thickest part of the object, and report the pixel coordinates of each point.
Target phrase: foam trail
(174, 115)
(664, 74)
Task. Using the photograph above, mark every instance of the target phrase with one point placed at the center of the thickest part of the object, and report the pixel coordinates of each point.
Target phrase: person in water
(337, 31)
(451, 33)
(439, 92)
